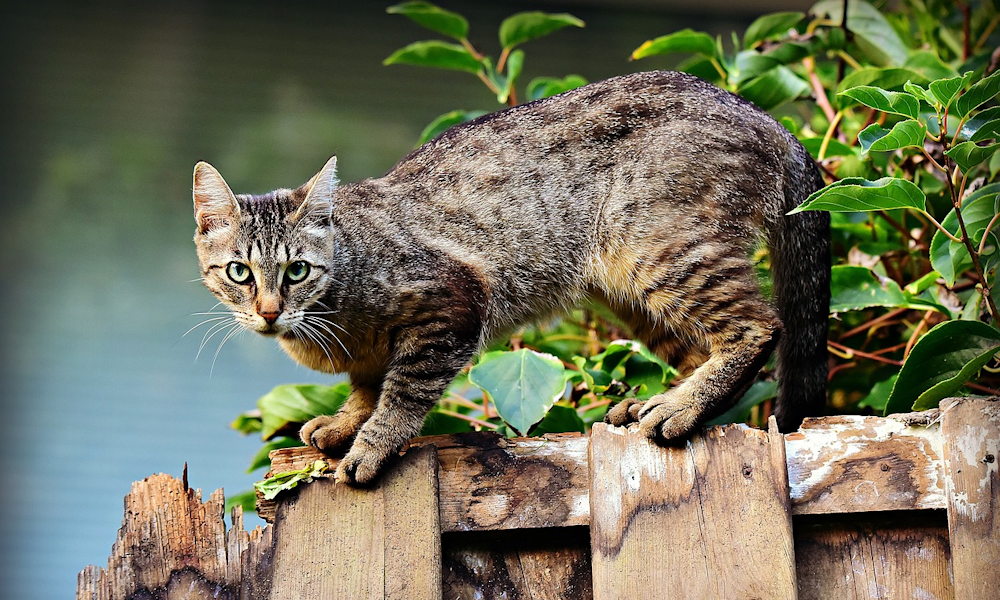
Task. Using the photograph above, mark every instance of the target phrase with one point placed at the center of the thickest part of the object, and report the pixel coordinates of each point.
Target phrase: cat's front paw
(362, 465)
(669, 418)
(327, 433)
(623, 413)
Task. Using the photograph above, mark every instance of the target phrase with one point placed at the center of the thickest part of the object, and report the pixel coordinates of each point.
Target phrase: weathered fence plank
(535, 564)
(863, 464)
(896, 556)
(970, 428)
(334, 541)
(171, 545)
(709, 520)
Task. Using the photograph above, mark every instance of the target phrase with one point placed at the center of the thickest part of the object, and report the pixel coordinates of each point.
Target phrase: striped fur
(647, 191)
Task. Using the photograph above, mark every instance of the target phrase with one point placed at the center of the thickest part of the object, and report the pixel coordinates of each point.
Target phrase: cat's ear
(318, 204)
(214, 203)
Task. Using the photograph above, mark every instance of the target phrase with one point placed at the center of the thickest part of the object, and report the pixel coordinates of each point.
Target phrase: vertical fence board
(334, 541)
(535, 564)
(970, 429)
(888, 557)
(710, 520)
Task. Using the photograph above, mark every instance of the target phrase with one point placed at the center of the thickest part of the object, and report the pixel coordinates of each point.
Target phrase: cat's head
(267, 257)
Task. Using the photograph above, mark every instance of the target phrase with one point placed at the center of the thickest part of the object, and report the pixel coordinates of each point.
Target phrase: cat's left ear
(318, 204)
(214, 203)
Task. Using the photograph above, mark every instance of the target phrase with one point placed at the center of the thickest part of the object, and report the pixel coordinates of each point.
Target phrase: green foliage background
(899, 109)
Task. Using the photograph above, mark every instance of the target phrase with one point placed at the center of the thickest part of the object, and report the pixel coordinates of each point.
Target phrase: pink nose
(270, 317)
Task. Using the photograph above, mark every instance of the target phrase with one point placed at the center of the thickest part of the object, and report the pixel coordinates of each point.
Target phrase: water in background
(107, 109)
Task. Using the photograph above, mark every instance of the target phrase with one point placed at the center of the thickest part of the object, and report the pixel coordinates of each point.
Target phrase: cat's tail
(800, 259)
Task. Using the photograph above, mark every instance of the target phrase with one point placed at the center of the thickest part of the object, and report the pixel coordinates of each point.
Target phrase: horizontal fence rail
(845, 507)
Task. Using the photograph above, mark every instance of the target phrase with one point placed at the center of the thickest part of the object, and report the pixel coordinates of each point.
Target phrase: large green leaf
(905, 134)
(685, 40)
(834, 147)
(899, 103)
(750, 63)
(969, 154)
(770, 26)
(525, 26)
(543, 87)
(944, 359)
(871, 31)
(977, 95)
(289, 404)
(854, 194)
(878, 397)
(523, 384)
(559, 419)
(435, 53)
(951, 259)
(853, 288)
(946, 90)
(983, 126)
(433, 17)
(447, 121)
(774, 88)
(886, 79)
(929, 64)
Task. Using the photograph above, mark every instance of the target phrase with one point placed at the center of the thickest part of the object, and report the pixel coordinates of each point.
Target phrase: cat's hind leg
(719, 302)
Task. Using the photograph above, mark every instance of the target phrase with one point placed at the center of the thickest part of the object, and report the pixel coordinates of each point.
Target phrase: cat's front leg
(331, 434)
(425, 363)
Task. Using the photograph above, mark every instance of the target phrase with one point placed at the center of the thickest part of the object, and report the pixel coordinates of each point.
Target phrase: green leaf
(951, 259)
(983, 126)
(433, 17)
(770, 26)
(853, 288)
(685, 40)
(439, 423)
(898, 103)
(272, 486)
(758, 393)
(977, 95)
(969, 154)
(749, 64)
(833, 148)
(919, 92)
(872, 33)
(247, 423)
(262, 459)
(526, 26)
(886, 79)
(854, 194)
(930, 65)
(543, 87)
(515, 63)
(247, 500)
(878, 397)
(774, 88)
(447, 121)
(905, 134)
(435, 53)
(523, 384)
(291, 404)
(945, 90)
(559, 419)
(944, 359)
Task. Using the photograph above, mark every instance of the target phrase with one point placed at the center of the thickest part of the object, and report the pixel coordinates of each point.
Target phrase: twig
(829, 134)
(986, 232)
(472, 420)
(865, 326)
(983, 388)
(810, 65)
(851, 353)
(916, 333)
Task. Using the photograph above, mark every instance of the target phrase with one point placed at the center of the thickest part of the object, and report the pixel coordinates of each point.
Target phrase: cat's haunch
(647, 192)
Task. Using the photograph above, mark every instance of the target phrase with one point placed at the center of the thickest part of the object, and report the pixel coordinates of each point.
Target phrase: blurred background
(107, 107)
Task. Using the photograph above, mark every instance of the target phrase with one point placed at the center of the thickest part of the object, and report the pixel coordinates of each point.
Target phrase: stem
(593, 405)
(482, 77)
(986, 33)
(722, 72)
(472, 420)
(865, 326)
(512, 97)
(933, 162)
(916, 333)
(849, 59)
(983, 388)
(829, 134)
(895, 225)
(810, 65)
(986, 232)
(940, 227)
(468, 46)
(851, 353)
(502, 61)
(966, 17)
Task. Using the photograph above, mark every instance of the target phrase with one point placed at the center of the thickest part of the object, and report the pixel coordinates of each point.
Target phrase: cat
(647, 192)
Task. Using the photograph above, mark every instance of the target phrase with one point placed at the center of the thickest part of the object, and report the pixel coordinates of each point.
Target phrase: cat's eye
(297, 271)
(239, 272)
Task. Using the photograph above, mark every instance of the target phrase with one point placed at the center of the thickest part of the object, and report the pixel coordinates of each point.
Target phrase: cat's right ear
(214, 203)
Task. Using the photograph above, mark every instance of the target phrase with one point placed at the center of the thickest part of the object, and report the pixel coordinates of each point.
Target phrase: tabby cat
(647, 192)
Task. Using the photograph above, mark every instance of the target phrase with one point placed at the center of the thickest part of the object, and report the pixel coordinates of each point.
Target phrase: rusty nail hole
(747, 471)
(989, 458)
(884, 467)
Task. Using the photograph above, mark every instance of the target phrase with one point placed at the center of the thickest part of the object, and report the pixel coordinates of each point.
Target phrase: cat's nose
(270, 317)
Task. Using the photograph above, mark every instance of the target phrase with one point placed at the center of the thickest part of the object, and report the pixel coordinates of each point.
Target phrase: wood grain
(334, 541)
(970, 429)
(535, 564)
(850, 464)
(172, 545)
(885, 557)
(709, 520)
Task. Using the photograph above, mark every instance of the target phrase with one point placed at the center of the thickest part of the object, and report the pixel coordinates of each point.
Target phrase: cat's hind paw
(625, 412)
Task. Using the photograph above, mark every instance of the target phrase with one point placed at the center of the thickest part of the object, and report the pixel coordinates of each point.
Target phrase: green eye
(239, 272)
(297, 271)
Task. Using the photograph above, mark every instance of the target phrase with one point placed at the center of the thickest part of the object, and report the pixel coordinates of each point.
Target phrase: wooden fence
(847, 507)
